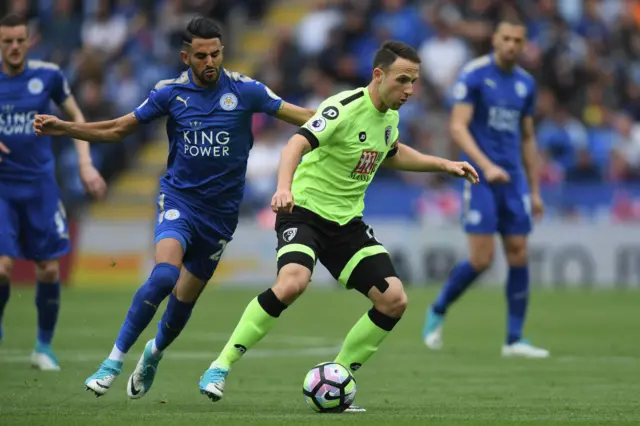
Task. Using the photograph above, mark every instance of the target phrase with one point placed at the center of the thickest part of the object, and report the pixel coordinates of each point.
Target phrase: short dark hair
(201, 27)
(512, 20)
(12, 20)
(392, 50)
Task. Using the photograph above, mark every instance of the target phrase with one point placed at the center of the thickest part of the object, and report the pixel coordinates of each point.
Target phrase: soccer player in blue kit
(492, 122)
(33, 222)
(209, 129)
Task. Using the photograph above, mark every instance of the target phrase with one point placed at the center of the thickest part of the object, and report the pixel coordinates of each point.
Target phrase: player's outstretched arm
(101, 131)
(294, 114)
(297, 146)
(408, 159)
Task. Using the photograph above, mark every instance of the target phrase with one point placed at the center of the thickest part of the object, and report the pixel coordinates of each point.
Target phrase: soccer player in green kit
(319, 204)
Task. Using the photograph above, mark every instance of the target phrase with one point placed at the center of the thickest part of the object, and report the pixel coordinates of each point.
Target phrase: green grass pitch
(592, 378)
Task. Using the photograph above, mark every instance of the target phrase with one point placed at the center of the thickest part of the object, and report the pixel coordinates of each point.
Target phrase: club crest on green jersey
(387, 135)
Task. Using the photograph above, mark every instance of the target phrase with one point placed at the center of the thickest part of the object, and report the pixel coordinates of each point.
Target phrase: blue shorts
(501, 208)
(203, 235)
(33, 222)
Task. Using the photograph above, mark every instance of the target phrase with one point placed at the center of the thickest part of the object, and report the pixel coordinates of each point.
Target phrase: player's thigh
(479, 209)
(514, 209)
(9, 233)
(203, 255)
(481, 250)
(357, 260)
(300, 239)
(44, 232)
(173, 233)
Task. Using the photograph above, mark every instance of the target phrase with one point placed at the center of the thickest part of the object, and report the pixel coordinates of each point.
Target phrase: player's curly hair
(12, 20)
(392, 50)
(201, 27)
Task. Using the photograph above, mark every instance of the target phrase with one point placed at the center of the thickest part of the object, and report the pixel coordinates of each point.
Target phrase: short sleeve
(530, 105)
(155, 106)
(263, 99)
(322, 127)
(465, 90)
(395, 136)
(60, 90)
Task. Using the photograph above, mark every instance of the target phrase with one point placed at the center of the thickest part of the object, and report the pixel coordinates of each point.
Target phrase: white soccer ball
(329, 388)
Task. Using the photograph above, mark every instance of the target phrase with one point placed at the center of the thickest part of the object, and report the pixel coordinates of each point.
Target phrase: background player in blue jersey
(32, 218)
(209, 131)
(492, 121)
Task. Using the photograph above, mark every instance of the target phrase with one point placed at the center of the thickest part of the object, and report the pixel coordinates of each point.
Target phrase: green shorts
(350, 252)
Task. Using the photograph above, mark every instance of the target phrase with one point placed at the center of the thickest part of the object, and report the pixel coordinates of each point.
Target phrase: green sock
(364, 339)
(253, 326)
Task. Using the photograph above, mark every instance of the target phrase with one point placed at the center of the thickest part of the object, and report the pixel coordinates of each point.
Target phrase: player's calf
(462, 276)
(48, 305)
(375, 277)
(258, 318)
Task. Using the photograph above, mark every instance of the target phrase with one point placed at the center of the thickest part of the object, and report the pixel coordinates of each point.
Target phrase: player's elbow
(117, 132)
(457, 129)
(297, 146)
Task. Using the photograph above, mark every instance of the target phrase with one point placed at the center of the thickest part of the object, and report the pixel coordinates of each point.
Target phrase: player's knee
(6, 266)
(48, 271)
(517, 253)
(394, 301)
(189, 287)
(481, 260)
(292, 281)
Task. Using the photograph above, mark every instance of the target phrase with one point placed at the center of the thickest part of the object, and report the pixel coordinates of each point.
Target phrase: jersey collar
(498, 68)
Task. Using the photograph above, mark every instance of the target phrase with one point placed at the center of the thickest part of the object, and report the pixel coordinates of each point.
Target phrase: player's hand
(462, 169)
(93, 181)
(282, 201)
(48, 125)
(495, 174)
(4, 150)
(537, 206)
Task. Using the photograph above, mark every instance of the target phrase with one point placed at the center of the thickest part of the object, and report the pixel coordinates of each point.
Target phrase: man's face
(396, 83)
(508, 42)
(204, 57)
(13, 45)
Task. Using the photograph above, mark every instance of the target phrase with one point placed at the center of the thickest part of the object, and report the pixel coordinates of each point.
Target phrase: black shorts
(350, 252)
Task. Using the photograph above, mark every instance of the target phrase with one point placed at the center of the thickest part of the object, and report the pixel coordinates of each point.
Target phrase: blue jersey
(210, 135)
(21, 98)
(500, 101)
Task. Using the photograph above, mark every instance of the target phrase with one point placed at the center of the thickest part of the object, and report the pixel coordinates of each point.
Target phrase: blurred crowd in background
(585, 56)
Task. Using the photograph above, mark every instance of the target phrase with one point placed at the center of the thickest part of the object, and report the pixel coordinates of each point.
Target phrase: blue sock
(145, 303)
(517, 301)
(173, 321)
(48, 304)
(5, 291)
(460, 279)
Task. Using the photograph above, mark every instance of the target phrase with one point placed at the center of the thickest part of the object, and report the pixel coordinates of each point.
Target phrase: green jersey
(350, 139)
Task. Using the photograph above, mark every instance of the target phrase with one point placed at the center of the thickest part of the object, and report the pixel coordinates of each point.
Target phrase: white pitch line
(287, 339)
(74, 356)
(606, 358)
